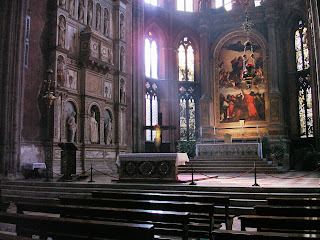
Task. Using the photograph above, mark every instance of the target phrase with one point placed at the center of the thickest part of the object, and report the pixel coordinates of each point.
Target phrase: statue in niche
(62, 3)
(108, 132)
(106, 23)
(62, 31)
(61, 65)
(122, 92)
(81, 10)
(98, 17)
(71, 7)
(94, 134)
(73, 42)
(110, 56)
(122, 59)
(72, 127)
(122, 27)
(90, 13)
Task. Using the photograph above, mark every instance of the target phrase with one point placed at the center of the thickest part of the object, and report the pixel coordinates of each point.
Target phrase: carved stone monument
(68, 160)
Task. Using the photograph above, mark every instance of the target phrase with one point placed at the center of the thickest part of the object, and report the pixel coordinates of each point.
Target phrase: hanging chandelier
(249, 69)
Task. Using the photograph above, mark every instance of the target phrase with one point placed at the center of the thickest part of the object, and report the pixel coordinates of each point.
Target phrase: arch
(228, 85)
(96, 105)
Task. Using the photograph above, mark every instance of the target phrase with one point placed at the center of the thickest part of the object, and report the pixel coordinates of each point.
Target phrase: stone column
(138, 77)
(12, 32)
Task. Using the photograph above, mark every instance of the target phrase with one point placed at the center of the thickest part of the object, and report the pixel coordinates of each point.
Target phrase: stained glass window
(152, 109)
(257, 3)
(305, 91)
(185, 5)
(227, 4)
(151, 57)
(152, 2)
(187, 110)
(186, 60)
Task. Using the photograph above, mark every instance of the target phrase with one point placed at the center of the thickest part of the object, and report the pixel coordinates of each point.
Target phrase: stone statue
(62, 3)
(72, 127)
(122, 27)
(90, 13)
(94, 134)
(71, 7)
(122, 59)
(122, 92)
(98, 17)
(62, 32)
(108, 132)
(61, 65)
(81, 10)
(106, 23)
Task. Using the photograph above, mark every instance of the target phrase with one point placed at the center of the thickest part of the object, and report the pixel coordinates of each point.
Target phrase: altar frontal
(150, 166)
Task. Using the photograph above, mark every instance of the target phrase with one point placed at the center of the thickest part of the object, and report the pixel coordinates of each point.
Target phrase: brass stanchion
(255, 176)
(192, 182)
(91, 174)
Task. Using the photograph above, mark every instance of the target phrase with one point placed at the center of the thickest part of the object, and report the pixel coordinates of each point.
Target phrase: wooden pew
(84, 229)
(294, 201)
(216, 200)
(288, 211)
(192, 207)
(279, 223)
(111, 214)
(245, 235)
(4, 236)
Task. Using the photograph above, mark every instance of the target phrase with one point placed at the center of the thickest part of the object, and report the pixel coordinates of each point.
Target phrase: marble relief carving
(94, 154)
(72, 39)
(72, 79)
(62, 3)
(122, 92)
(122, 27)
(107, 90)
(110, 56)
(122, 59)
(95, 49)
(93, 84)
(61, 71)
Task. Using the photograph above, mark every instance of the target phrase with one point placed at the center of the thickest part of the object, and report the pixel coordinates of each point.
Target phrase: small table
(150, 166)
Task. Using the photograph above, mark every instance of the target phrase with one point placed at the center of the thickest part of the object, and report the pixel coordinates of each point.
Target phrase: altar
(150, 166)
(241, 150)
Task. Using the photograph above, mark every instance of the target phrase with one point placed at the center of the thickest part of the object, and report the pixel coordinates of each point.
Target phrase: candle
(200, 131)
(242, 129)
(257, 129)
(214, 130)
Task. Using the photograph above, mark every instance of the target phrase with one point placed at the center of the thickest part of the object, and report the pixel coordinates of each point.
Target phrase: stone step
(213, 169)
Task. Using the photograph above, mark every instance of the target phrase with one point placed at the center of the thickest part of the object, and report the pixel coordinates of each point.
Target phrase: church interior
(154, 95)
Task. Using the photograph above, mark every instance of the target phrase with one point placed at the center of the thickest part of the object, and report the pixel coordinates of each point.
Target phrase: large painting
(237, 99)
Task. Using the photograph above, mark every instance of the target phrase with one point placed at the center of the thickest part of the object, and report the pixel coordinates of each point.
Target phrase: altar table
(150, 166)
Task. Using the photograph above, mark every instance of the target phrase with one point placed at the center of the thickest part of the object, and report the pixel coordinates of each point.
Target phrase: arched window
(227, 4)
(152, 109)
(185, 5)
(152, 2)
(186, 60)
(257, 3)
(304, 86)
(186, 90)
(151, 57)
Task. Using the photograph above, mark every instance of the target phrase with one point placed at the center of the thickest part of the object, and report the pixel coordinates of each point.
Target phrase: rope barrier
(307, 174)
(238, 175)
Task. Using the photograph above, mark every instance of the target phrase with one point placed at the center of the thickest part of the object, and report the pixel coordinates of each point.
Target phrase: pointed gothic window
(185, 5)
(304, 85)
(152, 2)
(151, 57)
(257, 3)
(186, 90)
(227, 4)
(152, 106)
